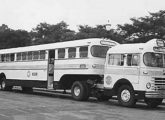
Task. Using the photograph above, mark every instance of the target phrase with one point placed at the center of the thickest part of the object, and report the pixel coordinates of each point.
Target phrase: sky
(27, 14)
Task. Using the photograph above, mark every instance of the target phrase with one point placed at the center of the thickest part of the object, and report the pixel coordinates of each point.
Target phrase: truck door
(132, 71)
(51, 60)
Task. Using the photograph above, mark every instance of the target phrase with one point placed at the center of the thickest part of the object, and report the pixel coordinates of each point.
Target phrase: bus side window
(18, 56)
(83, 52)
(24, 56)
(7, 58)
(3, 57)
(35, 55)
(12, 57)
(30, 55)
(61, 53)
(42, 54)
(72, 52)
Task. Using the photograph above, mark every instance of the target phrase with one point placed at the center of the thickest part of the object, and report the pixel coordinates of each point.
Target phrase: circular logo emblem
(108, 80)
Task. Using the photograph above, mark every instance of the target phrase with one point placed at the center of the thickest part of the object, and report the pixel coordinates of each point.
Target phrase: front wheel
(126, 96)
(153, 102)
(80, 91)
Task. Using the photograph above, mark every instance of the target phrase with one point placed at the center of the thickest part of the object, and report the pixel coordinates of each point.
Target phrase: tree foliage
(98, 32)
(46, 33)
(140, 30)
(13, 38)
(145, 28)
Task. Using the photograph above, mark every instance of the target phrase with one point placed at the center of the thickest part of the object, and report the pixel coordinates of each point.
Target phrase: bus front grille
(160, 83)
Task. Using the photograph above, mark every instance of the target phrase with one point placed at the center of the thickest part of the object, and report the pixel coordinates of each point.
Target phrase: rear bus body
(55, 65)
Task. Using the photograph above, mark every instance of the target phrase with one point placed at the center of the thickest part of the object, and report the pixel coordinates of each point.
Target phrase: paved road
(16, 105)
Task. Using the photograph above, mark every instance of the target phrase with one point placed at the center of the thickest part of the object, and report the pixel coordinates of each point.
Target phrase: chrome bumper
(155, 94)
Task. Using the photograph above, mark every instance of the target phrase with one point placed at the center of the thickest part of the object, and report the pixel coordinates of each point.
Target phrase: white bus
(136, 71)
(64, 65)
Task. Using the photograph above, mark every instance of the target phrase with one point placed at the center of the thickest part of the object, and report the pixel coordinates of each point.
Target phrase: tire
(80, 91)
(27, 89)
(4, 87)
(126, 96)
(153, 102)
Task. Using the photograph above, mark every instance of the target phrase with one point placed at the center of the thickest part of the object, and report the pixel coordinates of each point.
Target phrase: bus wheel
(80, 91)
(126, 96)
(27, 89)
(4, 87)
(153, 102)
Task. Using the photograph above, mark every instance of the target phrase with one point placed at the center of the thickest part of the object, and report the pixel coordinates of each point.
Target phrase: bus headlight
(148, 85)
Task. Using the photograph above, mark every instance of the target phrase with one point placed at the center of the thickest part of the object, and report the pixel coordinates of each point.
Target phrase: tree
(144, 28)
(46, 33)
(13, 38)
(98, 32)
(4, 28)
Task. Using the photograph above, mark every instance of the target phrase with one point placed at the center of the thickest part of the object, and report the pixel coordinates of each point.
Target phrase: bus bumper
(155, 94)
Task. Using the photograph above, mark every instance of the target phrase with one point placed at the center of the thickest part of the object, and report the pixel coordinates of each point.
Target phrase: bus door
(51, 58)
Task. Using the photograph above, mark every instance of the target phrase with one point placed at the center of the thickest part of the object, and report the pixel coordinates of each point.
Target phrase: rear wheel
(126, 96)
(4, 86)
(80, 91)
(153, 102)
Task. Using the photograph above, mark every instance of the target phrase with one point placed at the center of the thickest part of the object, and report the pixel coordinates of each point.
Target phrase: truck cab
(136, 71)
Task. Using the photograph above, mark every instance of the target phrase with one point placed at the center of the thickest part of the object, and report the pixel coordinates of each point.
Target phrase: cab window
(133, 59)
(116, 59)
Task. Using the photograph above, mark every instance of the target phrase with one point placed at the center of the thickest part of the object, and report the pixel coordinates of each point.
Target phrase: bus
(73, 65)
(136, 71)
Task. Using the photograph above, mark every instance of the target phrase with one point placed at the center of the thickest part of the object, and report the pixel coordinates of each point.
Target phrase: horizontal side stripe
(56, 67)
(24, 67)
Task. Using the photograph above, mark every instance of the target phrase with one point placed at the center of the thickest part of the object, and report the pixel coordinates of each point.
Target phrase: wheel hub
(77, 91)
(125, 95)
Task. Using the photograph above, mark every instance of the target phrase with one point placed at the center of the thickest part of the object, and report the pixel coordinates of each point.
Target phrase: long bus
(136, 71)
(73, 65)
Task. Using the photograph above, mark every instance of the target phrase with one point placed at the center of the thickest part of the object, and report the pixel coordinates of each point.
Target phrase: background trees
(139, 30)
(46, 33)
(13, 38)
(144, 28)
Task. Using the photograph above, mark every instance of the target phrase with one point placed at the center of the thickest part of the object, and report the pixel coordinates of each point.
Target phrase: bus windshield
(154, 59)
(99, 51)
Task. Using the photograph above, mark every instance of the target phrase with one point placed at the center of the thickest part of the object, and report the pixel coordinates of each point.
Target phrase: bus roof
(126, 48)
(74, 43)
(135, 48)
